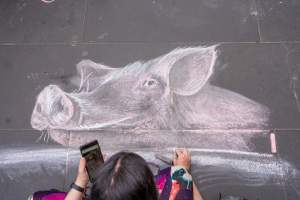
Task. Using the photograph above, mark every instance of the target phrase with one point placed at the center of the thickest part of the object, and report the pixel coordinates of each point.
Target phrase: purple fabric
(168, 185)
(49, 195)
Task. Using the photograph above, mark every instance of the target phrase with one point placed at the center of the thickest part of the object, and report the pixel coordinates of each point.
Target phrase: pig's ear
(190, 69)
(87, 71)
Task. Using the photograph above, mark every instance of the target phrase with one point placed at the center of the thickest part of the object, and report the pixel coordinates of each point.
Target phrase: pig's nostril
(38, 108)
(58, 106)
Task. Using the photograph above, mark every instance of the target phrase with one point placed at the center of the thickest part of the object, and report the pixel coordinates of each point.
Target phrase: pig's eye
(150, 83)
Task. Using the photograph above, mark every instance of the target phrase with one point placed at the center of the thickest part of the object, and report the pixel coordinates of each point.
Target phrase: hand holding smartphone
(93, 156)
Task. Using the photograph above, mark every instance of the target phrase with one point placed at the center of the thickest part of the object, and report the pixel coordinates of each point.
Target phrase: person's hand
(182, 157)
(82, 178)
(105, 157)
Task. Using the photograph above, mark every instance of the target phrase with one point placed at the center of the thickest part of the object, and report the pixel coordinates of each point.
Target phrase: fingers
(105, 157)
(175, 158)
(82, 164)
(178, 151)
(82, 176)
(187, 154)
(182, 152)
(182, 157)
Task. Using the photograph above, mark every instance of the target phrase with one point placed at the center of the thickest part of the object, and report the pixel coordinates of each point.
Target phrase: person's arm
(196, 193)
(182, 158)
(82, 180)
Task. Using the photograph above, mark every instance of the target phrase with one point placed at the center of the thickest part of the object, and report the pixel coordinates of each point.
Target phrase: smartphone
(93, 156)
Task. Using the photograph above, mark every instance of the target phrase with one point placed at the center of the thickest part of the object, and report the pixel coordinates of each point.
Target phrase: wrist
(81, 183)
(182, 166)
(182, 176)
(78, 188)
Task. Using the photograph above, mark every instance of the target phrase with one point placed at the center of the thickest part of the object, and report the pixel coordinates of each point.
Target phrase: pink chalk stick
(273, 143)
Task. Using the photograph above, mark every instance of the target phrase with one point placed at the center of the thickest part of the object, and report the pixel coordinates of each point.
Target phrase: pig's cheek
(143, 99)
(149, 96)
(146, 105)
(157, 94)
(152, 101)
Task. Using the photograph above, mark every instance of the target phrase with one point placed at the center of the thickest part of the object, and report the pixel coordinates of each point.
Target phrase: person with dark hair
(124, 175)
(127, 176)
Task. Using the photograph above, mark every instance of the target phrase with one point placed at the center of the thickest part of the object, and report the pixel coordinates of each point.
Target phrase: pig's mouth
(102, 125)
(96, 126)
(61, 135)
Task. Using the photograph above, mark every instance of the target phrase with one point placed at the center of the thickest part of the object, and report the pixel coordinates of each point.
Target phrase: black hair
(124, 176)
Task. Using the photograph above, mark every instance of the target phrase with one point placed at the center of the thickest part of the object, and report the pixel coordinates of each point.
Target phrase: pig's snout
(53, 109)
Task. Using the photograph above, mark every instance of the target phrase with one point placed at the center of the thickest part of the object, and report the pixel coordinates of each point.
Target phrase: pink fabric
(160, 184)
(60, 196)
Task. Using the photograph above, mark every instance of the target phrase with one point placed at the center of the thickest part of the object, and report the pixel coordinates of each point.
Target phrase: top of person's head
(124, 176)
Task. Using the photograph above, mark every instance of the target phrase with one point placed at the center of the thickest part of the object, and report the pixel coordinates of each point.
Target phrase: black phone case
(85, 146)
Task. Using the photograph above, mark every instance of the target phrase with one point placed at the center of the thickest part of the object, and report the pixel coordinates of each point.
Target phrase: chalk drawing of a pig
(171, 92)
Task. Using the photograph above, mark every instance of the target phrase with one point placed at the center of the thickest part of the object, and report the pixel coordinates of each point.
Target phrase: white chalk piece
(273, 143)
(48, 1)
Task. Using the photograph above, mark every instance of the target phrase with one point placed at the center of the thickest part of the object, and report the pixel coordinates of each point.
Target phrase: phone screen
(93, 156)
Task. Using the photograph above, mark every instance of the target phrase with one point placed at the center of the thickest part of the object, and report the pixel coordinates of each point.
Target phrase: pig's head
(139, 95)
